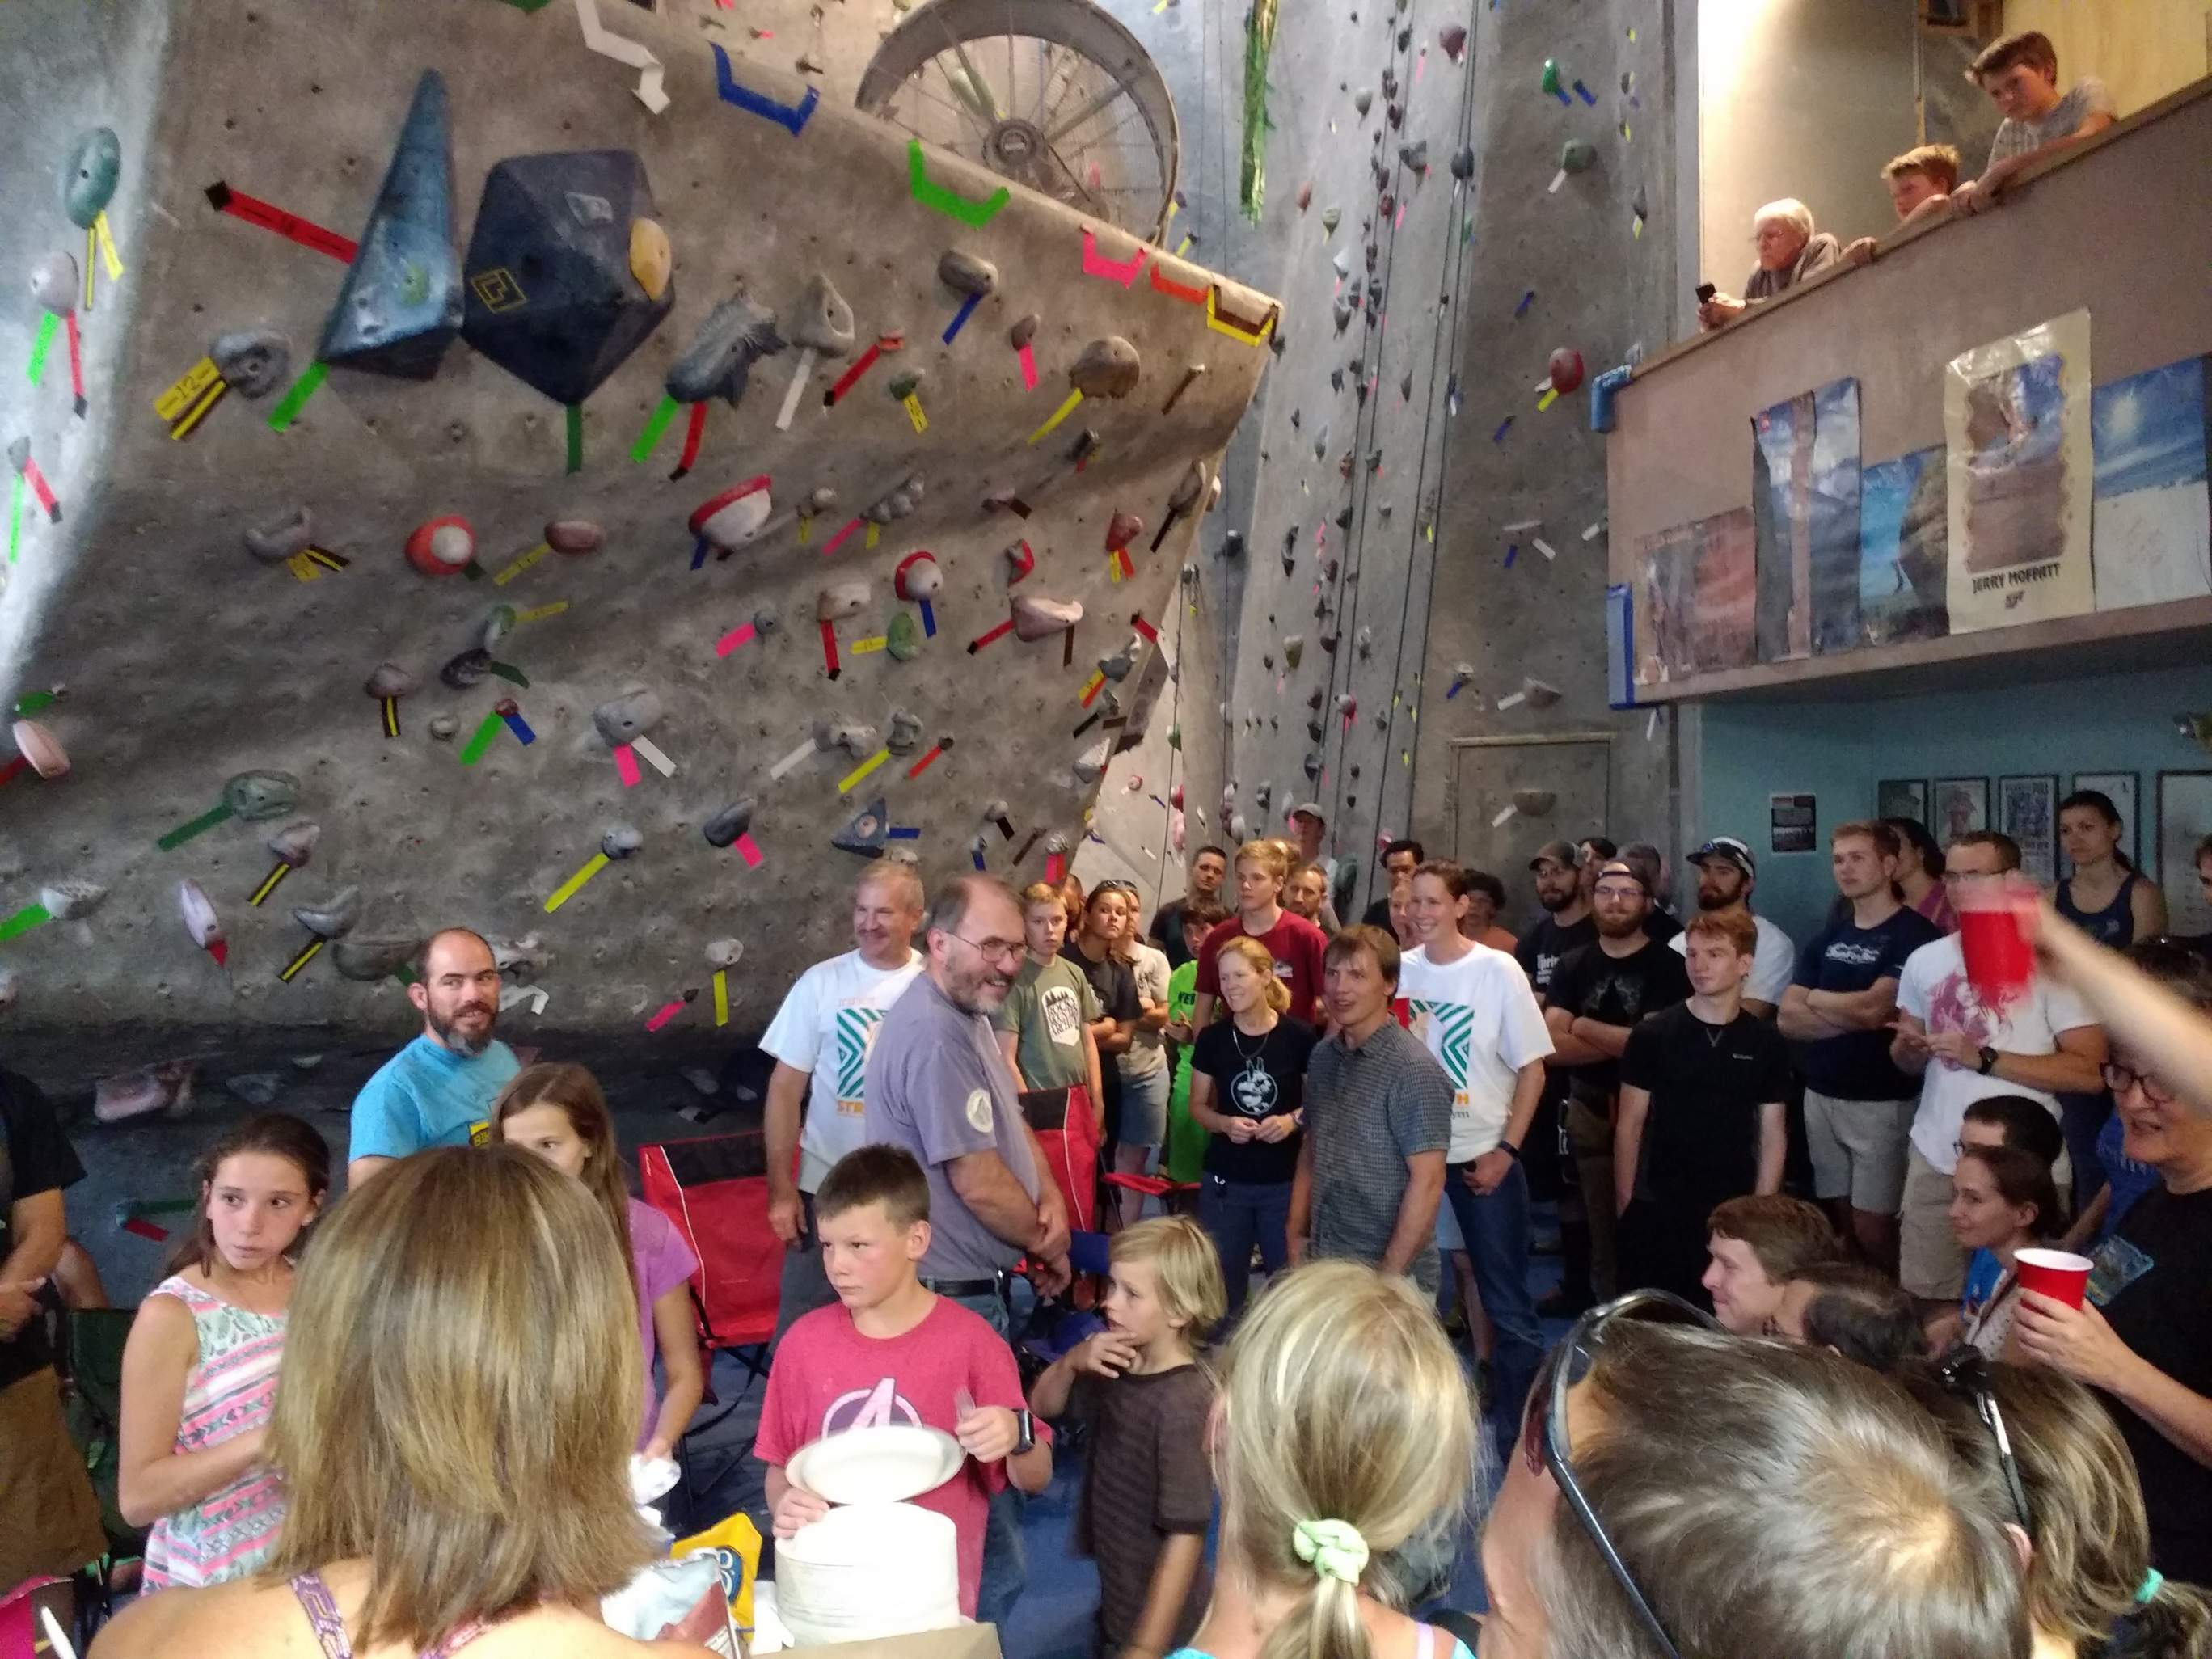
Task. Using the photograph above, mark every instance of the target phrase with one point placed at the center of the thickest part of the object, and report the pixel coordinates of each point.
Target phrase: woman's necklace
(1237, 1035)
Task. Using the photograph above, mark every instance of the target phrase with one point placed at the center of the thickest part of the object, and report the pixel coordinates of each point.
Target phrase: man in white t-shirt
(1726, 875)
(820, 1041)
(2045, 1043)
(1472, 1008)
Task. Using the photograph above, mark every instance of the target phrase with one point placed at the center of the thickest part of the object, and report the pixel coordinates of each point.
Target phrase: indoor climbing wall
(602, 505)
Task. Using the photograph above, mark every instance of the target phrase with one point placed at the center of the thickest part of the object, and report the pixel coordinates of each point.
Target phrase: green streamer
(654, 429)
(47, 326)
(30, 917)
(287, 410)
(481, 740)
(199, 826)
(575, 437)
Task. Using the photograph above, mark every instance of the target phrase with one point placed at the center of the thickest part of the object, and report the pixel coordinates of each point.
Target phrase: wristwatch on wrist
(1026, 1441)
(1509, 1150)
(1989, 1061)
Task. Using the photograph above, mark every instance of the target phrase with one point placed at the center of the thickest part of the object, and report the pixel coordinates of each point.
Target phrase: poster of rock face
(1805, 497)
(1694, 598)
(2153, 520)
(2016, 418)
(1904, 548)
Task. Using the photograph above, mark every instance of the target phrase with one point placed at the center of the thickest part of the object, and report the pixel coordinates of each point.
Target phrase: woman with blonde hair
(454, 1432)
(560, 1113)
(1247, 1077)
(1344, 1452)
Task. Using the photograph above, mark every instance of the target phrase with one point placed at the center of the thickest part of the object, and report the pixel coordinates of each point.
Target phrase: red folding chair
(715, 1192)
(1067, 1129)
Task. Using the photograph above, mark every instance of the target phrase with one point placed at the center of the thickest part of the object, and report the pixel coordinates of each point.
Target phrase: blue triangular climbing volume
(401, 305)
(868, 831)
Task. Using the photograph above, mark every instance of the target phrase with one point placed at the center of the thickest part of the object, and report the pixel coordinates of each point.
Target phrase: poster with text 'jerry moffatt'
(2016, 418)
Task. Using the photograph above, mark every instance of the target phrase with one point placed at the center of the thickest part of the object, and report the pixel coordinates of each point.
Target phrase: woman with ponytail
(1344, 1447)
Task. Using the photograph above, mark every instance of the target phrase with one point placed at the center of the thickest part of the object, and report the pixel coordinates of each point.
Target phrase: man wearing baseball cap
(1308, 824)
(1564, 926)
(1726, 874)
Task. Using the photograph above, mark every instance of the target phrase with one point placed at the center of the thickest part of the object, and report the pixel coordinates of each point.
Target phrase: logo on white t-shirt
(1063, 1014)
(978, 1111)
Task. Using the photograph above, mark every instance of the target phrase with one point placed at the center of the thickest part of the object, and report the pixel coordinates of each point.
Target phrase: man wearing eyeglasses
(2043, 1043)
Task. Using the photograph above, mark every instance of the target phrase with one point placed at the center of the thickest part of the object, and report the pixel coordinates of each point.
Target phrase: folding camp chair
(1067, 1128)
(715, 1192)
(91, 1356)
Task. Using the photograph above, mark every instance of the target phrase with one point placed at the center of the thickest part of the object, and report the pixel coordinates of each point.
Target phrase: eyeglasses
(1965, 1371)
(1543, 1438)
(2120, 1078)
(990, 950)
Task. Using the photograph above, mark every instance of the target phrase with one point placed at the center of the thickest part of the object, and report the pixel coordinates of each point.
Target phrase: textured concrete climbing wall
(184, 661)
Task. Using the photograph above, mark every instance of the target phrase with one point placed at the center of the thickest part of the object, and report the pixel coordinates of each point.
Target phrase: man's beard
(1554, 901)
(982, 994)
(1618, 927)
(1710, 901)
(468, 1047)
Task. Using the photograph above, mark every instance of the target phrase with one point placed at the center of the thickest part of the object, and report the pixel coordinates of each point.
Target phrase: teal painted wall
(1839, 752)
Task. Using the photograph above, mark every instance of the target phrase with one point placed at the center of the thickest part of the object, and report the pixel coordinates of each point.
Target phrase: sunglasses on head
(1545, 1438)
(1965, 1372)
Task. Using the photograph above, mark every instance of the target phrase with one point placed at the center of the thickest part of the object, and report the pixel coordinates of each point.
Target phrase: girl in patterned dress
(199, 1372)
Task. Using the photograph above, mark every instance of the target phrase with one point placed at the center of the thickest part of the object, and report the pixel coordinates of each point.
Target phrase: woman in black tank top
(2106, 896)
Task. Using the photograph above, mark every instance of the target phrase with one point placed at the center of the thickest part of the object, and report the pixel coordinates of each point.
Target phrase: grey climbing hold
(1106, 368)
(1312, 765)
(1022, 332)
(521, 957)
(964, 273)
(1330, 218)
(732, 821)
(54, 283)
(575, 536)
(89, 175)
(1343, 313)
(1262, 796)
(1462, 162)
(256, 796)
(620, 842)
(296, 841)
(1452, 38)
(1091, 764)
(822, 321)
(725, 952)
(1364, 100)
(1315, 729)
(628, 717)
(1406, 386)
(66, 901)
(498, 623)
(1389, 84)
(1577, 155)
(278, 540)
(1415, 155)
(389, 679)
(766, 620)
(841, 600)
(333, 919)
(467, 669)
(1232, 545)
(905, 735)
(444, 728)
(402, 301)
(369, 959)
(736, 335)
(1363, 642)
(256, 1088)
(1294, 646)
(855, 738)
(1342, 262)
(253, 362)
(1534, 803)
(1542, 693)
(1038, 618)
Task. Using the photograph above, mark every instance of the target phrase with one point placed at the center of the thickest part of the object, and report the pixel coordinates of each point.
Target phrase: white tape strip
(1651, 727)
(1511, 699)
(798, 380)
(1558, 178)
(1498, 819)
(1594, 530)
(658, 761)
(1519, 525)
(792, 759)
(598, 38)
(536, 995)
(1545, 548)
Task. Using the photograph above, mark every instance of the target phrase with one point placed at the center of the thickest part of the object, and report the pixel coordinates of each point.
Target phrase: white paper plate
(883, 1464)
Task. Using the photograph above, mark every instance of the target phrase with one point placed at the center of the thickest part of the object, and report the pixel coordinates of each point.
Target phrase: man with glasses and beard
(438, 1091)
(1597, 995)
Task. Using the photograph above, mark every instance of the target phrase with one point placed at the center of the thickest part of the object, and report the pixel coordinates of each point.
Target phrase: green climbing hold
(88, 177)
(1552, 74)
(1174, 737)
(1577, 155)
(903, 639)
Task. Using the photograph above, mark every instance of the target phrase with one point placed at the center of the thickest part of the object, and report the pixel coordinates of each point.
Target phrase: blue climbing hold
(400, 306)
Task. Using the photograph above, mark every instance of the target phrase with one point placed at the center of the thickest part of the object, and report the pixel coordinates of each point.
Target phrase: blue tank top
(2114, 925)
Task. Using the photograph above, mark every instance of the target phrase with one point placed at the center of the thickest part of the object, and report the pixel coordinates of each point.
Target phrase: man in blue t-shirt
(438, 1091)
(1858, 1105)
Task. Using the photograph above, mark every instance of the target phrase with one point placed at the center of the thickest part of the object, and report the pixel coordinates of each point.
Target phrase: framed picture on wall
(1958, 804)
(2027, 811)
(1902, 798)
(2121, 789)
(2185, 818)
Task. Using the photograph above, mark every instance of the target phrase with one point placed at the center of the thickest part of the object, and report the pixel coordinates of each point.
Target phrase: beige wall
(2140, 49)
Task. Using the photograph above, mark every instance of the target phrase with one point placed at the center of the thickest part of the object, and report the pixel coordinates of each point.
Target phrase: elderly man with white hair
(1790, 251)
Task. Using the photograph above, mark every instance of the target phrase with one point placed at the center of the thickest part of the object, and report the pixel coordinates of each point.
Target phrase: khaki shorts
(1931, 1263)
(1858, 1149)
(49, 1518)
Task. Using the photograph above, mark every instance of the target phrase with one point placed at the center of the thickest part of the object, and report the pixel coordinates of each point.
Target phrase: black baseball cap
(1728, 850)
(1561, 852)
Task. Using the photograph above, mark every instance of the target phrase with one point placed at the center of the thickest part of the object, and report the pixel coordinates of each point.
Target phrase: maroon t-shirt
(1296, 946)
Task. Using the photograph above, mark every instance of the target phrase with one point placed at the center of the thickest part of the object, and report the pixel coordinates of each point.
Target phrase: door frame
(1521, 741)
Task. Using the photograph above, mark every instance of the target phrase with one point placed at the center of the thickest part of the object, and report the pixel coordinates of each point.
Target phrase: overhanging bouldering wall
(607, 538)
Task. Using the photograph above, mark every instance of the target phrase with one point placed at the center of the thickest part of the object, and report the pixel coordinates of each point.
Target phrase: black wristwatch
(1509, 1150)
(1989, 1061)
(1027, 1440)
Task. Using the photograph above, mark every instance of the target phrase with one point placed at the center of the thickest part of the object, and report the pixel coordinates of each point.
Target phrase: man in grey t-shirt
(938, 1086)
(1378, 1119)
(2019, 72)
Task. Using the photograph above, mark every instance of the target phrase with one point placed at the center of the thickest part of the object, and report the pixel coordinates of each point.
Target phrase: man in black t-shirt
(1858, 1105)
(1596, 997)
(1566, 926)
(49, 1518)
(1209, 866)
(1701, 1118)
(1400, 860)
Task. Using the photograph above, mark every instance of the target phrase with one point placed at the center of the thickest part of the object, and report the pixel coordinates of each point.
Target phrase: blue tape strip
(928, 620)
(520, 727)
(960, 317)
(904, 832)
(791, 117)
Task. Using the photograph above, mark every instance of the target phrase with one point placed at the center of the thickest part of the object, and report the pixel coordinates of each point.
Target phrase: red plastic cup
(1401, 1010)
(2055, 1273)
(2000, 958)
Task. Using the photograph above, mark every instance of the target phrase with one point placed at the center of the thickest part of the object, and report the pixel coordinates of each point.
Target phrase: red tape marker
(1145, 629)
(692, 433)
(928, 760)
(42, 489)
(1028, 356)
(861, 364)
(76, 362)
(998, 633)
(290, 226)
(145, 1229)
(830, 647)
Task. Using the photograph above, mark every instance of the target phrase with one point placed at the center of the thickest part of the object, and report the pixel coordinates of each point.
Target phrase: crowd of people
(1794, 1184)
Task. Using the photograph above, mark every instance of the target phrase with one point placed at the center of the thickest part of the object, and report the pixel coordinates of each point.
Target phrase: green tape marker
(15, 520)
(948, 203)
(31, 701)
(159, 1206)
(199, 826)
(294, 401)
(650, 437)
(508, 671)
(480, 741)
(48, 326)
(30, 917)
(575, 437)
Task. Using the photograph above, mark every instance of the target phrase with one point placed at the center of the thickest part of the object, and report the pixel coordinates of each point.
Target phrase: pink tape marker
(626, 764)
(749, 850)
(1055, 867)
(1028, 356)
(667, 1012)
(1123, 271)
(741, 634)
(840, 538)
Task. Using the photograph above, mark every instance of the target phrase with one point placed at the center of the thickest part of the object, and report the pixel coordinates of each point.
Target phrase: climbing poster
(2152, 521)
(1904, 548)
(1694, 598)
(1805, 502)
(2016, 418)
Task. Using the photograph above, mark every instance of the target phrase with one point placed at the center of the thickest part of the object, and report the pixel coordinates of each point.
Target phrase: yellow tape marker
(873, 642)
(303, 567)
(1097, 679)
(539, 613)
(1550, 396)
(1185, 246)
(863, 769)
(291, 969)
(91, 265)
(721, 996)
(913, 414)
(1059, 415)
(187, 389)
(568, 889)
(522, 564)
(805, 529)
(875, 535)
(108, 256)
(198, 412)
